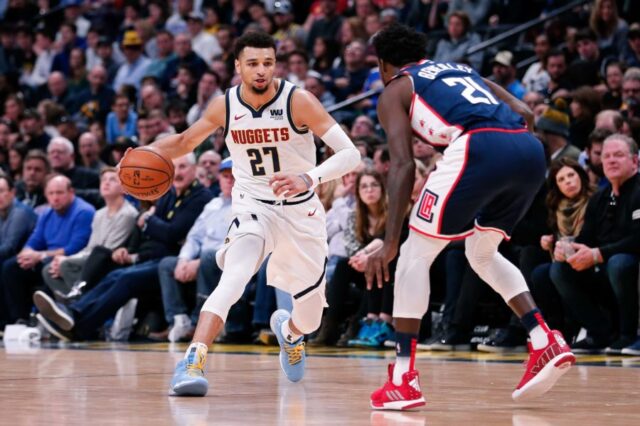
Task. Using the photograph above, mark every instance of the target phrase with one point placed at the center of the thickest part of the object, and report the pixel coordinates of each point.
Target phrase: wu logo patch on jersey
(276, 114)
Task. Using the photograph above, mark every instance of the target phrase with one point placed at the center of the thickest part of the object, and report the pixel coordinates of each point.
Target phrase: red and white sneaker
(403, 397)
(544, 367)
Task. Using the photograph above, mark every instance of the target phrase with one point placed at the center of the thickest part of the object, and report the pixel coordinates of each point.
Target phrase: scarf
(570, 216)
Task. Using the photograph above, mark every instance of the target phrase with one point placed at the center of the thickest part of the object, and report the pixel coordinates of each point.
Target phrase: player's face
(369, 190)
(568, 182)
(256, 67)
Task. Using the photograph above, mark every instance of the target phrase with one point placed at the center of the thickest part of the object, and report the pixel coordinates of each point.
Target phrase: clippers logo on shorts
(276, 114)
(253, 136)
(427, 203)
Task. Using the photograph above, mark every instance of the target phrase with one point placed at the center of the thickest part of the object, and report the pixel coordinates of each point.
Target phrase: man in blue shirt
(16, 222)
(63, 228)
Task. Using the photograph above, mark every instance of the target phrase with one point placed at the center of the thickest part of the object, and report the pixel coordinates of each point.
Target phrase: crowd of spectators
(83, 81)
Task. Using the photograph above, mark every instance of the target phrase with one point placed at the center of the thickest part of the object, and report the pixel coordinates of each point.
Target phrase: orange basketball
(146, 174)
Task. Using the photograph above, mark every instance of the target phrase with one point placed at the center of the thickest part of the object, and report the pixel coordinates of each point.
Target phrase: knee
(561, 275)
(622, 267)
(167, 265)
(479, 257)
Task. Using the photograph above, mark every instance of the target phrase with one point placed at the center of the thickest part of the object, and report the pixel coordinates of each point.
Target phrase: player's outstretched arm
(393, 113)
(514, 103)
(175, 146)
(308, 112)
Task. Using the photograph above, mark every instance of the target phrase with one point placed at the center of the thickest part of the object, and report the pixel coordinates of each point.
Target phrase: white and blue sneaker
(292, 355)
(188, 377)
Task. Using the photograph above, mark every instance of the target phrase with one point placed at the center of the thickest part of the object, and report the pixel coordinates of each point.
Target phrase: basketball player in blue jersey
(269, 126)
(484, 183)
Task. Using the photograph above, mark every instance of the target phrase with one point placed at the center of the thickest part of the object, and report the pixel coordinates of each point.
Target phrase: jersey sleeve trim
(227, 113)
(289, 116)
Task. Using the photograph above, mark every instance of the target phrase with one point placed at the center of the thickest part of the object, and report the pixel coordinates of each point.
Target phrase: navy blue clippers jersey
(449, 99)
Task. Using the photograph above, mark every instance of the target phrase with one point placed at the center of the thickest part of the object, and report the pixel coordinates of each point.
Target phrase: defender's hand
(378, 265)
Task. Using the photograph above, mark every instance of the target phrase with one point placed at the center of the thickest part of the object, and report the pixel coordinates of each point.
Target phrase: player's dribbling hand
(287, 185)
(377, 269)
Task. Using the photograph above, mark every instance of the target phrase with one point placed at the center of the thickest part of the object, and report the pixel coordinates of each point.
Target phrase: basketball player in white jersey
(269, 127)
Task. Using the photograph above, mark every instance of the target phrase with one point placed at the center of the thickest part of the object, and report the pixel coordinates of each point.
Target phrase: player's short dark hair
(258, 39)
(400, 45)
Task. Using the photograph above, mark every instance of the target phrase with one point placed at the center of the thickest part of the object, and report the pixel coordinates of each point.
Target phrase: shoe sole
(399, 405)
(546, 378)
(42, 320)
(189, 389)
(447, 348)
(632, 352)
(50, 311)
(500, 349)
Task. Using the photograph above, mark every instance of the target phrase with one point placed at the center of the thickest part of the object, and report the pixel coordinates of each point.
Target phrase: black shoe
(588, 345)
(504, 340)
(616, 347)
(327, 334)
(351, 333)
(453, 340)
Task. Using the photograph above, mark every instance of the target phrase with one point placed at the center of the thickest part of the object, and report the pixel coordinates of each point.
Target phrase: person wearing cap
(553, 129)
(32, 130)
(203, 43)
(504, 73)
(460, 38)
(196, 265)
(287, 28)
(631, 54)
(131, 72)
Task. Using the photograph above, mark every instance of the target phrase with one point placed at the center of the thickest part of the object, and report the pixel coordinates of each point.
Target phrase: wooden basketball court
(102, 383)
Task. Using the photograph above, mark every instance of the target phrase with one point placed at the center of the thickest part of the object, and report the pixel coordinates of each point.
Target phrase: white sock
(197, 354)
(401, 367)
(288, 334)
(538, 337)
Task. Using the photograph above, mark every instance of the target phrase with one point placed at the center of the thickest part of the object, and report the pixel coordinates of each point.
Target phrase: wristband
(594, 253)
(307, 180)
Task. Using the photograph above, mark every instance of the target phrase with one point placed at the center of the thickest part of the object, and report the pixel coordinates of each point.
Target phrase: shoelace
(295, 353)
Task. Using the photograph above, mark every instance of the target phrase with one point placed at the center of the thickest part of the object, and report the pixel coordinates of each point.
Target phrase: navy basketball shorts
(486, 179)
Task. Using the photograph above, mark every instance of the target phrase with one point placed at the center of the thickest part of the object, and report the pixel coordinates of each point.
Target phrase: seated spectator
(89, 150)
(151, 97)
(553, 129)
(585, 104)
(556, 66)
(56, 90)
(94, 102)
(32, 130)
(316, 85)
(196, 263)
(85, 181)
(208, 88)
(609, 119)
(63, 228)
(610, 29)
(631, 93)
(348, 79)
(460, 38)
(382, 160)
(537, 78)
(16, 223)
(110, 228)
(162, 228)
(184, 55)
(504, 73)
(602, 272)
(108, 58)
(30, 189)
(632, 50)
(612, 98)
(135, 67)
(569, 193)
(121, 121)
(585, 71)
(204, 44)
(593, 158)
(164, 43)
(210, 161)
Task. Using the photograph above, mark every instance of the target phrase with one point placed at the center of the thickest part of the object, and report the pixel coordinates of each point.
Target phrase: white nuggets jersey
(265, 141)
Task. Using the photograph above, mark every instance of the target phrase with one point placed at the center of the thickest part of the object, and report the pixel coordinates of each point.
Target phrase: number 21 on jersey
(472, 91)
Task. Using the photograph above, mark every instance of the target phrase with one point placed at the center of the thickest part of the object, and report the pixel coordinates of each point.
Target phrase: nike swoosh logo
(236, 117)
(312, 213)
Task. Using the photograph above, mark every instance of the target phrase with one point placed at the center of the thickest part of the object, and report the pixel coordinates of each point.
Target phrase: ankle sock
(196, 355)
(288, 334)
(405, 355)
(536, 327)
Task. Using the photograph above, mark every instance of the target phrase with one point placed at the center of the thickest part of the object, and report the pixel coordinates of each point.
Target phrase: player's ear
(237, 66)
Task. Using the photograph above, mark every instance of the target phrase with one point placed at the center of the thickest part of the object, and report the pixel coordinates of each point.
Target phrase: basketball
(146, 174)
